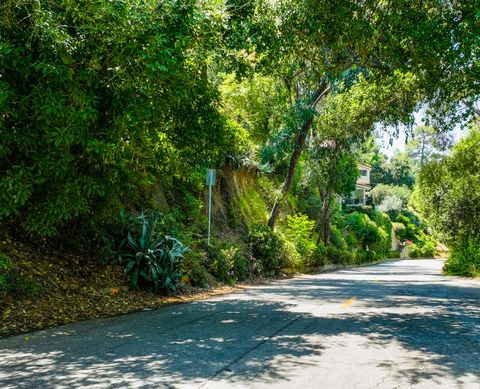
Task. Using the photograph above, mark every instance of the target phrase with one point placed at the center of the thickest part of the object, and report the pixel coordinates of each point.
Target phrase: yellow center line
(349, 302)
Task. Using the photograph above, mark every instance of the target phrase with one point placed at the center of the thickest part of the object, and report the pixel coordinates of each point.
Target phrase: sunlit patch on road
(349, 302)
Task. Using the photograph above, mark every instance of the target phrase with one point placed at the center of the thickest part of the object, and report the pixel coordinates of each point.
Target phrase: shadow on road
(262, 335)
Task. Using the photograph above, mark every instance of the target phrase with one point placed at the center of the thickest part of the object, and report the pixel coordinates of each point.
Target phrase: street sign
(211, 179)
(211, 176)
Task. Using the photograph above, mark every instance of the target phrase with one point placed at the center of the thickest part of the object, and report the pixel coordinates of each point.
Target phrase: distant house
(362, 186)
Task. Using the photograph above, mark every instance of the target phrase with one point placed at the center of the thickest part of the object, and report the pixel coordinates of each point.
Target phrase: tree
(318, 45)
(397, 172)
(255, 103)
(335, 171)
(447, 194)
(391, 204)
(382, 191)
(428, 144)
(97, 101)
(344, 121)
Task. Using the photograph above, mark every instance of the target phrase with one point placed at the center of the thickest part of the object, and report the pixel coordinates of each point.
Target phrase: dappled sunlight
(282, 332)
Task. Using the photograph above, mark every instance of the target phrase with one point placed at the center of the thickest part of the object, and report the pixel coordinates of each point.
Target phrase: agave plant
(152, 261)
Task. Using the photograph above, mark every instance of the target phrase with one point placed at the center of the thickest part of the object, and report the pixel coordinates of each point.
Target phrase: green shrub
(230, 265)
(352, 241)
(408, 227)
(270, 249)
(214, 262)
(422, 249)
(367, 232)
(413, 251)
(299, 228)
(382, 220)
(393, 254)
(346, 257)
(371, 256)
(5, 269)
(309, 203)
(360, 257)
(317, 258)
(400, 231)
(222, 265)
(293, 260)
(194, 268)
(152, 262)
(363, 256)
(241, 267)
(411, 224)
(383, 245)
(464, 259)
(381, 192)
(334, 255)
(364, 229)
(429, 248)
(365, 209)
(14, 283)
(266, 246)
(337, 238)
(219, 262)
(331, 255)
(21, 286)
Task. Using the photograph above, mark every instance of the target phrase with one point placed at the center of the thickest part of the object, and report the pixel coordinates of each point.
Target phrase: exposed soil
(68, 288)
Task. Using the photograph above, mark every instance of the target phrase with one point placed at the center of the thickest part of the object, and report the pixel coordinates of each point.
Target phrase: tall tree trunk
(325, 219)
(287, 184)
(422, 153)
(319, 218)
(299, 146)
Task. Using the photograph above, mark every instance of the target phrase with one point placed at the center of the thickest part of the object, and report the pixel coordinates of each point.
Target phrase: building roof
(364, 165)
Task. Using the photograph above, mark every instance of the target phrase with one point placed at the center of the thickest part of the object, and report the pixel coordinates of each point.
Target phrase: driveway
(395, 324)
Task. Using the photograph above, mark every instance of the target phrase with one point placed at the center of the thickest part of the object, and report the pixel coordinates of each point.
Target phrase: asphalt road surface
(396, 324)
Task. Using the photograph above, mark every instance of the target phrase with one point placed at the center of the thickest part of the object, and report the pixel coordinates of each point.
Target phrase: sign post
(211, 178)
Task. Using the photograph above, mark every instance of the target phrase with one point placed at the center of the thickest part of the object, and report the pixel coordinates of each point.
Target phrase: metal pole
(209, 211)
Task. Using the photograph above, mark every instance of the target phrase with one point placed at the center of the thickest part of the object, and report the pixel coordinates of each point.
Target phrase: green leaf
(129, 267)
(134, 279)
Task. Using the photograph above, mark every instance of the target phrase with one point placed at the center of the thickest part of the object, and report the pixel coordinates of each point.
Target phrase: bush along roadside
(362, 235)
(152, 261)
(464, 259)
(410, 229)
(41, 287)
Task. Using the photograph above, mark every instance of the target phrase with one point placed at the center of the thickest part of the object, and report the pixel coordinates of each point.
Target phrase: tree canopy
(448, 195)
(98, 99)
(428, 144)
(448, 191)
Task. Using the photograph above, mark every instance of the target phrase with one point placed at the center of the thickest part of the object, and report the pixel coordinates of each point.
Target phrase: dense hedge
(370, 235)
(99, 101)
(464, 259)
(272, 250)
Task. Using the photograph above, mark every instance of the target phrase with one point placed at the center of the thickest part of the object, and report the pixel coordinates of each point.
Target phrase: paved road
(396, 324)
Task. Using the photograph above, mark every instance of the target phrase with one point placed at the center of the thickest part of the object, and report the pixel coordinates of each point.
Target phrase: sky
(398, 144)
